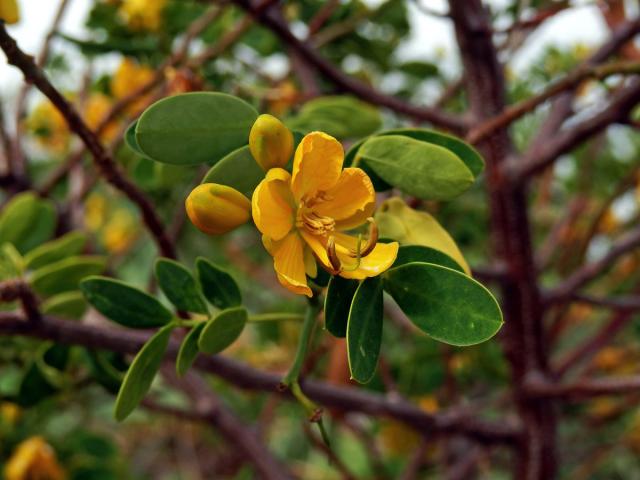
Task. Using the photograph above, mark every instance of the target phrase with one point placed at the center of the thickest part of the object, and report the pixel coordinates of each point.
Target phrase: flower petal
(272, 205)
(316, 165)
(288, 261)
(318, 245)
(350, 201)
(377, 262)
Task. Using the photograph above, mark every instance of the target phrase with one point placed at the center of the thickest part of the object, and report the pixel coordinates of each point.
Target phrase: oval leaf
(130, 139)
(124, 304)
(337, 304)
(419, 253)
(189, 349)
(143, 369)
(65, 275)
(219, 288)
(364, 329)
(194, 128)
(70, 305)
(26, 221)
(70, 244)
(418, 168)
(179, 286)
(445, 304)
(238, 170)
(222, 330)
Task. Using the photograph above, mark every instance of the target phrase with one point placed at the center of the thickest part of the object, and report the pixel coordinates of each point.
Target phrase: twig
(11, 290)
(105, 163)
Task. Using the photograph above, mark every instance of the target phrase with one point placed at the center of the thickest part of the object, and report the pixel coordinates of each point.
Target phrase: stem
(307, 328)
(276, 317)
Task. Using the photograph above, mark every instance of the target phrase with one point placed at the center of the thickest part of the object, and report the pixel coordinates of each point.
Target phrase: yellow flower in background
(129, 77)
(304, 214)
(10, 412)
(9, 11)
(49, 127)
(33, 459)
(143, 14)
(120, 232)
(216, 209)
(95, 211)
(96, 108)
(282, 97)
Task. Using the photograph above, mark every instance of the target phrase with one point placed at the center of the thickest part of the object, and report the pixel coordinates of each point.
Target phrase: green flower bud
(216, 209)
(270, 142)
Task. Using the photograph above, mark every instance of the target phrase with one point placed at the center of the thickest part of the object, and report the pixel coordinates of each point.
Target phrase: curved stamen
(333, 255)
(372, 241)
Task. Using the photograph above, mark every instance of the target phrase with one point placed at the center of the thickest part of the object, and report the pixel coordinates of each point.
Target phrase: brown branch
(103, 160)
(242, 376)
(618, 109)
(573, 79)
(591, 271)
(309, 54)
(587, 388)
(12, 290)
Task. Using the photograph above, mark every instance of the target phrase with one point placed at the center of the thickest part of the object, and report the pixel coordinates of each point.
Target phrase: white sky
(581, 24)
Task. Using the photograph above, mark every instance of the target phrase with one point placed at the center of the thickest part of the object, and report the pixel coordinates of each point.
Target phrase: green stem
(303, 344)
(276, 317)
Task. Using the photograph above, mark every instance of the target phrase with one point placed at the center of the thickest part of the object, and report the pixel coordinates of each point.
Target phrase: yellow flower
(9, 412)
(129, 77)
(49, 127)
(33, 459)
(217, 209)
(304, 214)
(96, 108)
(143, 14)
(270, 142)
(120, 232)
(9, 11)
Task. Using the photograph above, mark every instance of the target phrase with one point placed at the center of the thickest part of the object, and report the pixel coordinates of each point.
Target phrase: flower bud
(9, 12)
(216, 209)
(270, 142)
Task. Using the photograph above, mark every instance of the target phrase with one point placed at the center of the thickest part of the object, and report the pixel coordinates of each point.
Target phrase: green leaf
(194, 128)
(11, 262)
(70, 305)
(419, 253)
(339, 116)
(445, 304)
(65, 275)
(418, 168)
(70, 244)
(189, 349)
(43, 377)
(124, 304)
(141, 373)
(219, 288)
(179, 285)
(26, 221)
(108, 369)
(364, 330)
(337, 304)
(238, 170)
(222, 330)
(130, 140)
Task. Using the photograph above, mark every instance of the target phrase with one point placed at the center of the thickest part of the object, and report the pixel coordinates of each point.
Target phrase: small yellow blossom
(282, 97)
(216, 209)
(304, 214)
(143, 14)
(96, 108)
(49, 127)
(129, 77)
(120, 232)
(10, 412)
(270, 142)
(9, 11)
(33, 459)
(95, 211)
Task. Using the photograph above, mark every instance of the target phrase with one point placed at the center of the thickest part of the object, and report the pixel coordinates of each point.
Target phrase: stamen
(372, 240)
(333, 255)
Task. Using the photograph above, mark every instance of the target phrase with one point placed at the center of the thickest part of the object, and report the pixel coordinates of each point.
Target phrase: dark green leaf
(65, 275)
(141, 373)
(70, 244)
(27, 221)
(222, 330)
(194, 128)
(422, 169)
(364, 329)
(124, 304)
(419, 253)
(179, 285)
(337, 304)
(238, 170)
(189, 349)
(217, 285)
(447, 305)
(107, 368)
